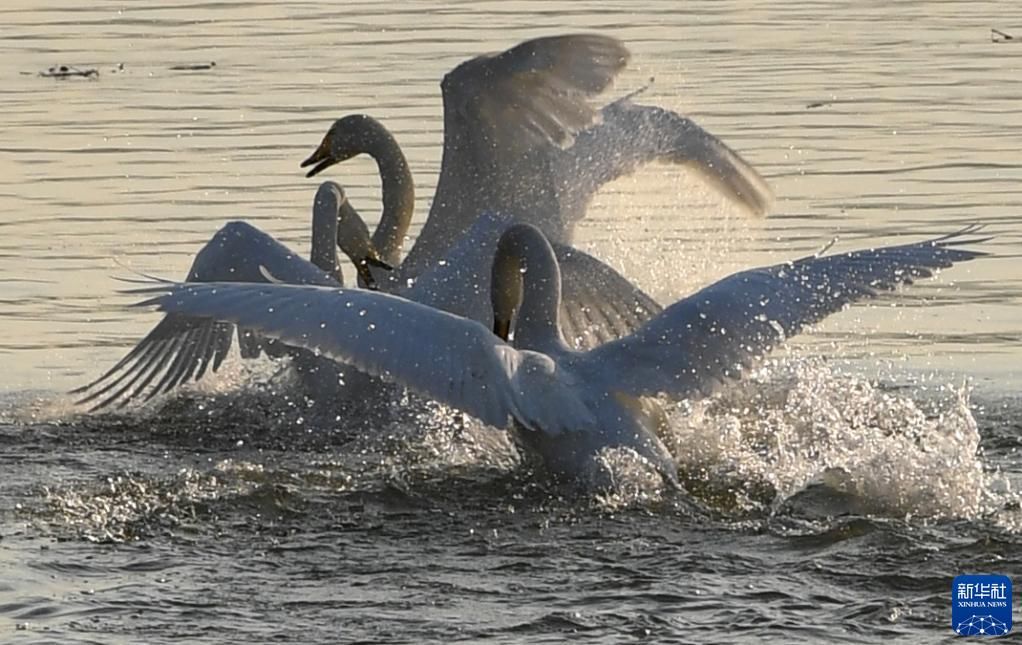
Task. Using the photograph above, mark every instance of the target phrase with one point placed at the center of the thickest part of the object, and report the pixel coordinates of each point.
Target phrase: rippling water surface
(831, 498)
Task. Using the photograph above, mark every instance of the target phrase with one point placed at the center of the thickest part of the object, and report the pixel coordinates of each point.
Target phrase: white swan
(603, 306)
(522, 101)
(564, 405)
(520, 138)
(547, 76)
(599, 304)
(182, 347)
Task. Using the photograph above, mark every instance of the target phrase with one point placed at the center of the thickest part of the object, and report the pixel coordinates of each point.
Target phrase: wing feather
(708, 338)
(598, 304)
(535, 92)
(448, 358)
(630, 136)
(237, 252)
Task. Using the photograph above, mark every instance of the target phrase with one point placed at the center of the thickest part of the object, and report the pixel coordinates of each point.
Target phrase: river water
(830, 499)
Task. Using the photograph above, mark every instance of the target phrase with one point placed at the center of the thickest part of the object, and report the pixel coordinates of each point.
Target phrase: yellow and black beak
(362, 266)
(502, 328)
(322, 157)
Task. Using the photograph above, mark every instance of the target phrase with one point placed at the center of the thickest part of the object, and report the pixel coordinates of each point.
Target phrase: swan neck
(539, 325)
(324, 236)
(526, 271)
(398, 197)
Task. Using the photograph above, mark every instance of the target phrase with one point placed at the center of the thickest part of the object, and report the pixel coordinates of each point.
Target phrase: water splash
(799, 423)
(622, 478)
(130, 506)
(795, 427)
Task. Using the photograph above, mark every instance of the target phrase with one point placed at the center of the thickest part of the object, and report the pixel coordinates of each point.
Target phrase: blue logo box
(981, 605)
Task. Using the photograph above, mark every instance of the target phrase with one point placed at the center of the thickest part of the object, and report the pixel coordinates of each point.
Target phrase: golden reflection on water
(913, 129)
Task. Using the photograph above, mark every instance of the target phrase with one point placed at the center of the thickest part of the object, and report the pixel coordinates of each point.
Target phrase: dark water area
(284, 525)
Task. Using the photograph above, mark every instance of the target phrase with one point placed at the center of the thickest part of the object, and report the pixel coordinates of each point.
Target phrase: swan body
(564, 405)
(604, 306)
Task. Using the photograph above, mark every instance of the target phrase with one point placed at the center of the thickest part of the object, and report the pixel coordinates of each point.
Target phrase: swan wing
(630, 135)
(181, 347)
(704, 340)
(456, 361)
(535, 92)
(598, 304)
(503, 115)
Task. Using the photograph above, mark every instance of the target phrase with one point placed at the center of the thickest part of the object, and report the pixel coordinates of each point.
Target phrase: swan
(564, 406)
(242, 253)
(506, 149)
(183, 347)
(600, 302)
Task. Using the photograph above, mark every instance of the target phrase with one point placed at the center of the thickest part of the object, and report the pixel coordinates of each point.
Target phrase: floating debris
(70, 71)
(998, 36)
(195, 68)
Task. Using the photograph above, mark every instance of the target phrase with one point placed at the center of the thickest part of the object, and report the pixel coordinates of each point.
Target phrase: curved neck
(525, 270)
(539, 324)
(398, 196)
(325, 211)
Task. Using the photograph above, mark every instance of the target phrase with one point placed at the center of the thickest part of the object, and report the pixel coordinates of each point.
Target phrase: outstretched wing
(631, 135)
(451, 359)
(535, 92)
(503, 114)
(180, 347)
(705, 339)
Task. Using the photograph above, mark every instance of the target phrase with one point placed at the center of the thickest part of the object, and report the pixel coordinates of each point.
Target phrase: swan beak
(502, 328)
(366, 276)
(362, 267)
(322, 158)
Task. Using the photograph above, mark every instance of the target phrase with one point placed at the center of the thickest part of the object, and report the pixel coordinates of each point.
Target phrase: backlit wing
(705, 339)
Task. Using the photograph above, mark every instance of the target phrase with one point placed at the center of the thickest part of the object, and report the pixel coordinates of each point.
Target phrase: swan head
(336, 223)
(524, 255)
(329, 199)
(348, 137)
(325, 211)
(506, 282)
(355, 242)
(350, 233)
